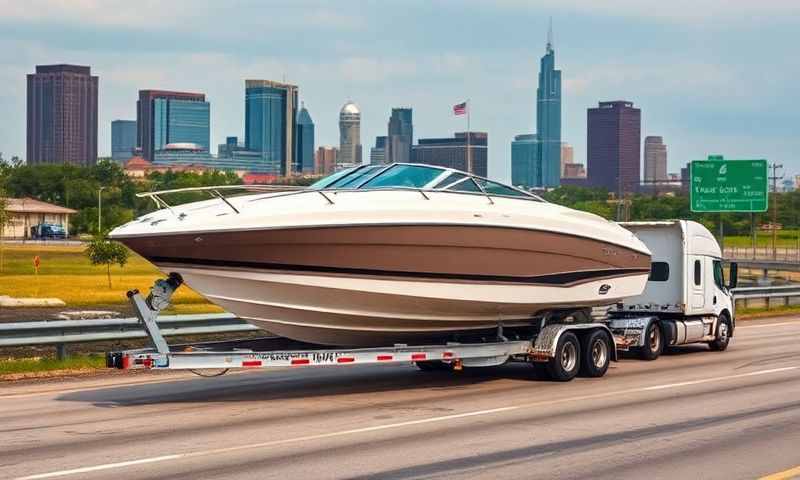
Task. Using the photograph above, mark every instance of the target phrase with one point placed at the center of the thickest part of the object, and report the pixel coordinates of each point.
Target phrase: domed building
(349, 136)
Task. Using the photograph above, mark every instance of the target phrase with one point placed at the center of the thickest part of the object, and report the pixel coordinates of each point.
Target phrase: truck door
(697, 282)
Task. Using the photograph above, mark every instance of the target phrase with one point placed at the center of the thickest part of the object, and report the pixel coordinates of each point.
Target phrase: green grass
(66, 273)
(760, 312)
(27, 365)
(786, 239)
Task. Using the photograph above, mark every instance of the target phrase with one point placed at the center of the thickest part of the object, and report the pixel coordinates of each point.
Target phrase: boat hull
(361, 310)
(369, 285)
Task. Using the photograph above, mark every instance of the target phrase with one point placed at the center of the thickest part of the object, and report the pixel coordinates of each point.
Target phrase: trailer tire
(720, 344)
(434, 366)
(566, 362)
(653, 342)
(595, 354)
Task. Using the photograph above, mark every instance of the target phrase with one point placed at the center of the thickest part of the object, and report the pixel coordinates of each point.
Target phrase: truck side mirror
(734, 280)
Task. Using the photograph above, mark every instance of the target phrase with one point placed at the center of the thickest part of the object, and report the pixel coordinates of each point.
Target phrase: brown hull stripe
(564, 278)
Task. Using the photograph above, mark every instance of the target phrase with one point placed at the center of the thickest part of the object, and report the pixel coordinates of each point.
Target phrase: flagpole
(469, 153)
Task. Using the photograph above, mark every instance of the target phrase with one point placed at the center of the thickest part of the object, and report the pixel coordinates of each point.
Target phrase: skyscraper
(164, 117)
(542, 168)
(62, 115)
(567, 157)
(401, 136)
(525, 164)
(452, 152)
(270, 113)
(325, 160)
(123, 139)
(655, 159)
(548, 116)
(305, 142)
(349, 135)
(377, 155)
(614, 146)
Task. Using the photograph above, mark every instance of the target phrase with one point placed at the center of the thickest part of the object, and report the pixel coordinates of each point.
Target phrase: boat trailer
(545, 347)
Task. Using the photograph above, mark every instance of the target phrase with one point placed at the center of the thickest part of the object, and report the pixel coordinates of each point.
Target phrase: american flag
(460, 109)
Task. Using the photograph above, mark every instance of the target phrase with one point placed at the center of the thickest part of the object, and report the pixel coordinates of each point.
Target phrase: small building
(259, 178)
(25, 213)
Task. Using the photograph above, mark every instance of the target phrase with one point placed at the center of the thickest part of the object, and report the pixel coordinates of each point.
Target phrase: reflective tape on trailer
(198, 359)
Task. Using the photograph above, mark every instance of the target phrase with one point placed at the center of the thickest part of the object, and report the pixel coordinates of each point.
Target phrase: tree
(102, 251)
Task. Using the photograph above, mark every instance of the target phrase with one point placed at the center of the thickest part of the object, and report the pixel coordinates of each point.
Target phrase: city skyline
(691, 76)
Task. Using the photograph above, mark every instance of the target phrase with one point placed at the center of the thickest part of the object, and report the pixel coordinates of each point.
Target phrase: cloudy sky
(711, 76)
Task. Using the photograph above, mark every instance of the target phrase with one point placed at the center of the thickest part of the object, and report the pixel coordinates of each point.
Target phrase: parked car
(46, 231)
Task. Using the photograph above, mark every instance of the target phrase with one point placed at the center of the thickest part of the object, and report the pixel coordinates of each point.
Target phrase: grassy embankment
(66, 273)
(76, 364)
(786, 239)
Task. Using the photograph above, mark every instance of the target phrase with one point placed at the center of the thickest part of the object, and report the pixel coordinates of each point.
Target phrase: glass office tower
(270, 112)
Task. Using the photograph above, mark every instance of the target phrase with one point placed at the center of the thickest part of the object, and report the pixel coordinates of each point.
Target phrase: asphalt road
(691, 414)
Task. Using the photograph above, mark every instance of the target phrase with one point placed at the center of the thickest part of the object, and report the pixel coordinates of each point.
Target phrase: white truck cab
(686, 294)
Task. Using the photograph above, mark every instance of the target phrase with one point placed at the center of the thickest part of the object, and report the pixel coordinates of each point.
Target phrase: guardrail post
(61, 351)
(766, 302)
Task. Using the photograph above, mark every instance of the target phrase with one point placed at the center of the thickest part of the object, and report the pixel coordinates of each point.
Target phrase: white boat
(379, 254)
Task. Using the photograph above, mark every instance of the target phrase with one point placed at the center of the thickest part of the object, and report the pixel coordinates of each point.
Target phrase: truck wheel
(723, 335)
(653, 342)
(434, 366)
(564, 366)
(595, 355)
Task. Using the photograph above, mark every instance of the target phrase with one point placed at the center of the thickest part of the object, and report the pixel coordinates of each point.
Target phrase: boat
(376, 254)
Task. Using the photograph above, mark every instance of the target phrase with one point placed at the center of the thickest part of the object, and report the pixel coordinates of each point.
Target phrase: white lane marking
(376, 428)
(697, 382)
(107, 466)
(765, 325)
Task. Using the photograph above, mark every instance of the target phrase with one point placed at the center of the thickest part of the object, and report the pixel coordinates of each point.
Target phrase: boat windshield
(401, 175)
(428, 177)
(327, 181)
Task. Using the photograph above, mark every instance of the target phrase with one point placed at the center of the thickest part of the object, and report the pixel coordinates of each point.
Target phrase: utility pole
(775, 179)
(100, 210)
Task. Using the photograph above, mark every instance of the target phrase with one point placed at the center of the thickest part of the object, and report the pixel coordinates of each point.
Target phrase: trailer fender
(544, 347)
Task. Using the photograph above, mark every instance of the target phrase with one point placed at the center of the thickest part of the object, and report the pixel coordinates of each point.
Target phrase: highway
(691, 414)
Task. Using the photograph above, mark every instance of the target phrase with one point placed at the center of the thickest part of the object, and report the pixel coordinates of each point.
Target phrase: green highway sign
(719, 185)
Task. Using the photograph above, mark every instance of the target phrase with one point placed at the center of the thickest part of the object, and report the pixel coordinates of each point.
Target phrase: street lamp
(100, 209)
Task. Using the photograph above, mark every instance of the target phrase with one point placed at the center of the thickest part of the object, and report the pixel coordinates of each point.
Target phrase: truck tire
(564, 366)
(723, 335)
(434, 366)
(595, 354)
(653, 342)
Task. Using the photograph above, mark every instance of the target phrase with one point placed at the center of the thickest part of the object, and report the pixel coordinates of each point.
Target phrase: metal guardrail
(768, 295)
(63, 332)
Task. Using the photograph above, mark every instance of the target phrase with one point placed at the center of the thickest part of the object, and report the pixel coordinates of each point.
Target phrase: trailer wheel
(653, 342)
(723, 335)
(564, 366)
(434, 366)
(595, 356)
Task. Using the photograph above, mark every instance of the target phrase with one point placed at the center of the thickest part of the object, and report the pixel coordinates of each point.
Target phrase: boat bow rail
(360, 179)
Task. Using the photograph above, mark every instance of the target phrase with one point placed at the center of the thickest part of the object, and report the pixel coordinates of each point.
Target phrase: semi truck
(686, 300)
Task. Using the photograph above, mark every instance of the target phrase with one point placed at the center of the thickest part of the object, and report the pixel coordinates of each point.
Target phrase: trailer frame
(541, 347)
